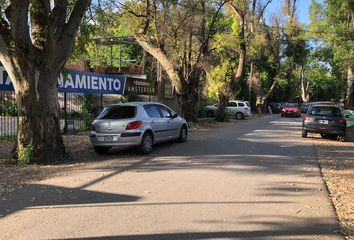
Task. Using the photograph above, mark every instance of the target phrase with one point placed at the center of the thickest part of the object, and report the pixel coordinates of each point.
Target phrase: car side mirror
(173, 115)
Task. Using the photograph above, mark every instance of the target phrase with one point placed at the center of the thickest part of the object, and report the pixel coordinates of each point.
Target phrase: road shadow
(302, 228)
(38, 195)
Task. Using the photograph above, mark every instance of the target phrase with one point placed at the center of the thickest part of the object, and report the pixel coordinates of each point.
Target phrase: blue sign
(78, 82)
(5, 82)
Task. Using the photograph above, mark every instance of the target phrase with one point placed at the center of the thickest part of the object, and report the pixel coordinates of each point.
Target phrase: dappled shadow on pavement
(302, 228)
(274, 149)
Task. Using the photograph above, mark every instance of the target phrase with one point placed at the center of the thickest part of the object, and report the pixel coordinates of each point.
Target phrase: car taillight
(92, 127)
(134, 125)
(342, 121)
(308, 118)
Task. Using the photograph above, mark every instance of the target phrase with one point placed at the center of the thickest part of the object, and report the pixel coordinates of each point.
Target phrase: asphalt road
(257, 179)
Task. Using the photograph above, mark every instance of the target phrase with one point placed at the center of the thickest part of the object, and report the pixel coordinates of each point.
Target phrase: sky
(302, 9)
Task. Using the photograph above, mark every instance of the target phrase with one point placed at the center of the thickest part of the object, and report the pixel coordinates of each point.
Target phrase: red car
(291, 109)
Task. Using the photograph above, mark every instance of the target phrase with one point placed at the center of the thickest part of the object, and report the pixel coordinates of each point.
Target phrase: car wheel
(147, 142)
(327, 136)
(183, 134)
(210, 114)
(342, 138)
(101, 150)
(281, 115)
(239, 116)
(304, 134)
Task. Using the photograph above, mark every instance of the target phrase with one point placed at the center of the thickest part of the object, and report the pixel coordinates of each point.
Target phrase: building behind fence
(79, 108)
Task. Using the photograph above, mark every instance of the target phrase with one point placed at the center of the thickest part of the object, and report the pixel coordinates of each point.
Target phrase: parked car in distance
(140, 124)
(304, 107)
(326, 119)
(276, 106)
(291, 109)
(349, 116)
(235, 108)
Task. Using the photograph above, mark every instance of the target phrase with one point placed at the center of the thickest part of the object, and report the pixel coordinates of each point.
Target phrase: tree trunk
(349, 102)
(221, 111)
(304, 87)
(259, 104)
(188, 103)
(261, 98)
(38, 124)
(239, 71)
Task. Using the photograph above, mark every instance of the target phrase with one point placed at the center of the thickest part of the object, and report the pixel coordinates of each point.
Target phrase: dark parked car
(326, 119)
(276, 106)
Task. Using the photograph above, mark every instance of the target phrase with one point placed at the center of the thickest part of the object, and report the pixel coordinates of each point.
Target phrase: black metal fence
(76, 108)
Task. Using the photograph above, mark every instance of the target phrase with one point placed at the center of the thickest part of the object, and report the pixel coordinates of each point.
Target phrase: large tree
(36, 39)
(332, 23)
(177, 34)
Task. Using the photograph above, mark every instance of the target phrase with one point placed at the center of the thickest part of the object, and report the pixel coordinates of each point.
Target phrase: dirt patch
(337, 166)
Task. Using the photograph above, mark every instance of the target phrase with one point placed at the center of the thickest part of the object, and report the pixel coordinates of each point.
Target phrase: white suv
(235, 108)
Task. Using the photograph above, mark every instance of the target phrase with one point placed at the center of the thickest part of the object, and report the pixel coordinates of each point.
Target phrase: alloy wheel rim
(148, 143)
(184, 133)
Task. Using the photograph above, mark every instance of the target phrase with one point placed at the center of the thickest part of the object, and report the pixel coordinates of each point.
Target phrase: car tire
(210, 114)
(183, 134)
(304, 134)
(342, 138)
(239, 116)
(281, 115)
(101, 150)
(147, 142)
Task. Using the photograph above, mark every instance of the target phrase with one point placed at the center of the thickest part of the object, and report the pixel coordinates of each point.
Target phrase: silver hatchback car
(140, 124)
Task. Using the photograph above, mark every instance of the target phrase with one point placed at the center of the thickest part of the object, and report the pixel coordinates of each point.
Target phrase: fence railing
(8, 116)
(77, 107)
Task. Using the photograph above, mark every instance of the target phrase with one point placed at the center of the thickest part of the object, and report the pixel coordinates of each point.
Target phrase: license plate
(108, 138)
(323, 121)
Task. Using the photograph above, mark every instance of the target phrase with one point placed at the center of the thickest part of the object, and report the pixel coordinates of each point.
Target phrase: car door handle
(152, 121)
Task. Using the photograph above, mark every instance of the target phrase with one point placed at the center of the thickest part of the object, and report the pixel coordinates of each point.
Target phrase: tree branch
(75, 19)
(17, 14)
(57, 20)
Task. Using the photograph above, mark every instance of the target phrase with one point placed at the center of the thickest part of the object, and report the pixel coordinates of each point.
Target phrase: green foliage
(89, 109)
(106, 24)
(26, 155)
(219, 79)
(9, 108)
(332, 26)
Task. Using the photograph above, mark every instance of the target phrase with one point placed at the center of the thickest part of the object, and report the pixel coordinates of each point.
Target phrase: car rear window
(118, 112)
(326, 111)
(292, 105)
